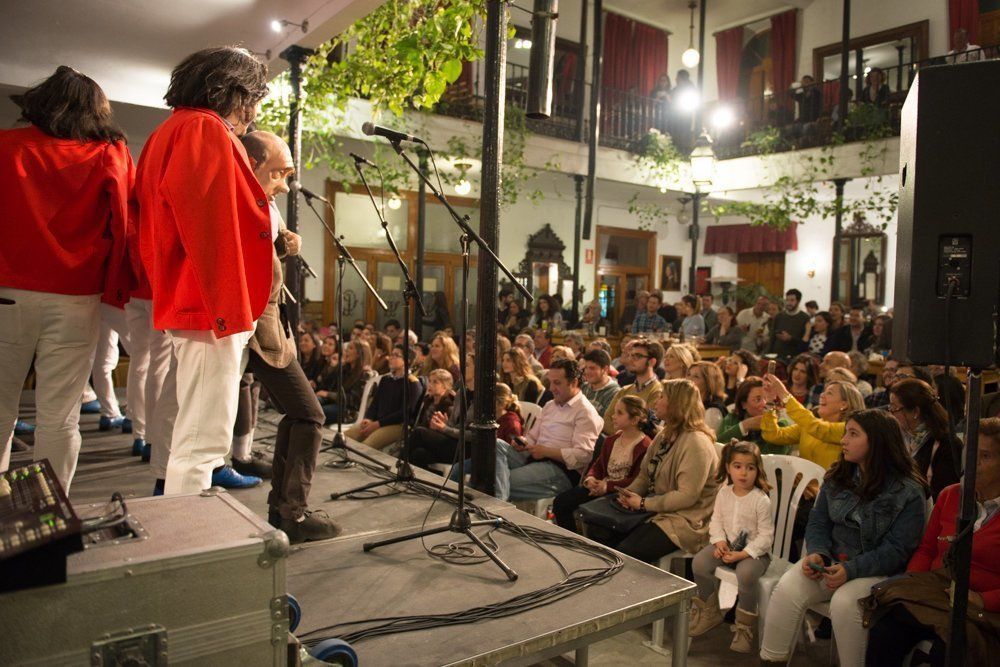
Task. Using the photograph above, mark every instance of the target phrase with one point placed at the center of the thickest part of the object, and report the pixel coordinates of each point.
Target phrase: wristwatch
(642, 504)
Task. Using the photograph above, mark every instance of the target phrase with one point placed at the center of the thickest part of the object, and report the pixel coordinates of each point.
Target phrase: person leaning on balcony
(963, 51)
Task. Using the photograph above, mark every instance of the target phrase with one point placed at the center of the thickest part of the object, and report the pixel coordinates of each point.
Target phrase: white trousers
(208, 382)
(794, 594)
(60, 332)
(113, 329)
(145, 379)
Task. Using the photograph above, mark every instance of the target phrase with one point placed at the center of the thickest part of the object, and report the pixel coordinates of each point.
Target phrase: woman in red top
(65, 181)
(919, 603)
(617, 464)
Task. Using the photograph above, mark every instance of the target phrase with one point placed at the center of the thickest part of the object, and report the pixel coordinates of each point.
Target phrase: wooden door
(766, 268)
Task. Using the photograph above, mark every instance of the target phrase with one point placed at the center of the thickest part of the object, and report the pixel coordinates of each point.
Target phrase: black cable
(953, 442)
(109, 519)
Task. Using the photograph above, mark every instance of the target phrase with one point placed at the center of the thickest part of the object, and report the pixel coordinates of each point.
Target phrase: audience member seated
(563, 352)
(381, 351)
(617, 464)
(311, 352)
(853, 336)
(816, 334)
(881, 336)
(383, 421)
(598, 386)
(740, 536)
(819, 436)
(644, 356)
(859, 366)
(516, 372)
(526, 343)
(788, 327)
(591, 320)
(357, 371)
(708, 312)
(438, 398)
(830, 361)
(866, 524)
(438, 441)
(650, 320)
(693, 325)
(443, 354)
(677, 359)
(514, 320)
(916, 607)
(924, 422)
(676, 480)
(510, 422)
(574, 341)
(803, 375)
(711, 386)
(951, 395)
(543, 346)
(743, 423)
(736, 367)
(547, 315)
(633, 308)
(725, 332)
(558, 447)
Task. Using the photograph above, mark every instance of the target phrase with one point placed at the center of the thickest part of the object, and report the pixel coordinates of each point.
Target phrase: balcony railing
(772, 122)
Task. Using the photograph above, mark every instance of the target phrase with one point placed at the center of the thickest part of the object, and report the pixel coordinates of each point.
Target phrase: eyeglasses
(637, 355)
(894, 410)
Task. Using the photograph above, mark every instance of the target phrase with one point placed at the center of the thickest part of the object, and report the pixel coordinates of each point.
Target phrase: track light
(278, 25)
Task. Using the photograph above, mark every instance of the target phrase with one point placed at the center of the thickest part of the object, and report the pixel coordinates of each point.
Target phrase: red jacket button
(265, 235)
(261, 203)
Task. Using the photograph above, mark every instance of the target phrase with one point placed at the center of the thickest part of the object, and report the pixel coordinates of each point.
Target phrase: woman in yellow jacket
(817, 437)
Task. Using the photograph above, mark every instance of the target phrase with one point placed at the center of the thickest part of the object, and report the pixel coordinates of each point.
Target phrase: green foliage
(401, 58)
(660, 161)
(764, 141)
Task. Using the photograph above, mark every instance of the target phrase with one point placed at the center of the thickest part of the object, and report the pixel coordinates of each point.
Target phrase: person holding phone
(866, 524)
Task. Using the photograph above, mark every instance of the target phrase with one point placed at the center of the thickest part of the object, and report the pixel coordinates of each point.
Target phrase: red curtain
(783, 52)
(635, 55)
(649, 57)
(566, 81)
(964, 14)
(734, 239)
(617, 51)
(728, 50)
(831, 95)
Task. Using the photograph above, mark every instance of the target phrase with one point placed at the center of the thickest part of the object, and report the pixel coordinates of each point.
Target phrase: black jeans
(428, 446)
(566, 504)
(892, 638)
(299, 434)
(647, 543)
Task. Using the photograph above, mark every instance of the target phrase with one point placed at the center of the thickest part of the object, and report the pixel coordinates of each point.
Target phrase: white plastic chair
(785, 497)
(366, 394)
(529, 412)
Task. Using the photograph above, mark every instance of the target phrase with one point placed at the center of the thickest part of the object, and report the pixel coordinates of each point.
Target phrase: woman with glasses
(924, 421)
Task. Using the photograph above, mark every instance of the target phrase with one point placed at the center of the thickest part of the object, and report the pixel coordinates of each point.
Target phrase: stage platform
(336, 581)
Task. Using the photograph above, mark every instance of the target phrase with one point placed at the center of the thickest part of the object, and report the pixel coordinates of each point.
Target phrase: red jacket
(64, 205)
(984, 575)
(599, 469)
(204, 226)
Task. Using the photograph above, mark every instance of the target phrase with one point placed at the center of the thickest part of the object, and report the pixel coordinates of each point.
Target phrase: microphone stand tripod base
(461, 522)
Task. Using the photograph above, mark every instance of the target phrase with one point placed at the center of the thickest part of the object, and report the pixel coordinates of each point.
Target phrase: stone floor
(105, 464)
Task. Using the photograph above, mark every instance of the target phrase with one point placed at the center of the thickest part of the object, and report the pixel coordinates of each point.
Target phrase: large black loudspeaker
(949, 217)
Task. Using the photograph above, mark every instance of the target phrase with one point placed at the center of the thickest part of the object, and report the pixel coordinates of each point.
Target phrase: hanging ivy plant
(659, 161)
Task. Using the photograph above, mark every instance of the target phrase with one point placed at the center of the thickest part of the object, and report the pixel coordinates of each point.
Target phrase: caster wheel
(294, 613)
(335, 652)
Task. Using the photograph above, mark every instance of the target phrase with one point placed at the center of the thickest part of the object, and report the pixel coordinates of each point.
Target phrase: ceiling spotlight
(463, 187)
(395, 203)
(688, 100)
(277, 25)
(723, 117)
(691, 57)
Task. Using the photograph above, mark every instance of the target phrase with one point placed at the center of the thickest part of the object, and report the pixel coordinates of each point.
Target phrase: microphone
(306, 192)
(362, 160)
(371, 129)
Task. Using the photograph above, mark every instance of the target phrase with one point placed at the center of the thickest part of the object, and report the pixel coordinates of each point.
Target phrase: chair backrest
(366, 394)
(789, 476)
(530, 412)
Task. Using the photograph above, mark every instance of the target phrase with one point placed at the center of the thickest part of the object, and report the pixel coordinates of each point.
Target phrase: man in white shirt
(557, 449)
(963, 51)
(753, 321)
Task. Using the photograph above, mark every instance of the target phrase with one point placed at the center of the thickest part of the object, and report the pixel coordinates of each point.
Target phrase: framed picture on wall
(701, 277)
(670, 273)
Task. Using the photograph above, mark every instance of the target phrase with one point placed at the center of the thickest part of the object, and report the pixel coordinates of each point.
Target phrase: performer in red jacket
(205, 241)
(64, 188)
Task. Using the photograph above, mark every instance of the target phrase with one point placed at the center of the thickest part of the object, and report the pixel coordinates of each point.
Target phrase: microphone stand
(339, 442)
(404, 471)
(461, 520)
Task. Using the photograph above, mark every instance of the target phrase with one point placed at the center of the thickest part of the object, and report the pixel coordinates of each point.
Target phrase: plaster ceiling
(130, 46)
(674, 15)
